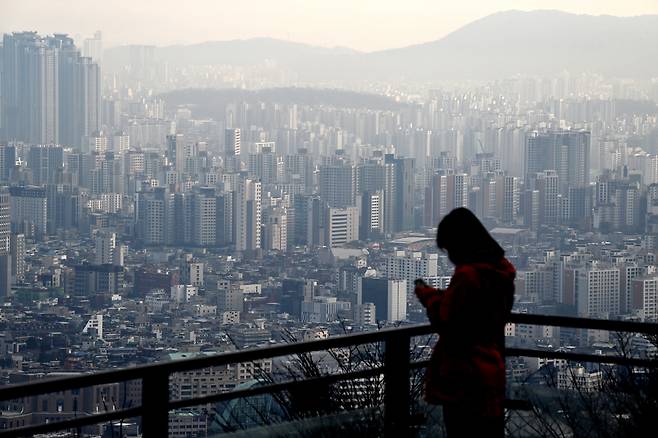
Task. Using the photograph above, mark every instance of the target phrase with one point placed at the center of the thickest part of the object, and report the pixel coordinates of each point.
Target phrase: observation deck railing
(156, 402)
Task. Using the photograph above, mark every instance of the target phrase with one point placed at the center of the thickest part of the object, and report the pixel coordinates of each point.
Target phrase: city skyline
(365, 26)
(164, 204)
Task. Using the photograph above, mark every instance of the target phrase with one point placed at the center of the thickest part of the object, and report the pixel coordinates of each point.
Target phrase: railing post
(396, 385)
(155, 403)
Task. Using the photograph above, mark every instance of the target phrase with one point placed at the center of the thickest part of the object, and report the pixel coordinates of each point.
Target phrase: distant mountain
(499, 45)
(538, 42)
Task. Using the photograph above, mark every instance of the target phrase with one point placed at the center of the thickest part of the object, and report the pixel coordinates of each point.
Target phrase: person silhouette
(466, 374)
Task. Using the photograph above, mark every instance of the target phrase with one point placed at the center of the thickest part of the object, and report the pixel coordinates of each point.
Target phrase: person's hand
(423, 291)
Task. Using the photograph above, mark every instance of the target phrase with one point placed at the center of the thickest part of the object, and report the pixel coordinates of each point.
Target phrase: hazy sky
(359, 24)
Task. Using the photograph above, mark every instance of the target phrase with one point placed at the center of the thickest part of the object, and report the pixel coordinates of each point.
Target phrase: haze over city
(366, 25)
(328, 218)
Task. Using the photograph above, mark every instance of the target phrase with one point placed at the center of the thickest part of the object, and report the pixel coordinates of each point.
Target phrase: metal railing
(156, 403)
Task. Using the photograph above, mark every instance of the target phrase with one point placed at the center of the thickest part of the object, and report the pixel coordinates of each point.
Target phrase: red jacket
(468, 364)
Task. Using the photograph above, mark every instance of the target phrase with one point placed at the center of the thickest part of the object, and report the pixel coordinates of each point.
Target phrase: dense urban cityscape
(151, 212)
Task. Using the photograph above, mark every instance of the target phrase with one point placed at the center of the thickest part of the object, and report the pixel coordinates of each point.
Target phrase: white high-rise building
(5, 244)
(98, 143)
(93, 47)
(457, 191)
(342, 226)
(276, 230)
(364, 314)
(371, 221)
(397, 300)
(232, 142)
(597, 291)
(409, 266)
(121, 143)
(320, 310)
(248, 210)
(105, 247)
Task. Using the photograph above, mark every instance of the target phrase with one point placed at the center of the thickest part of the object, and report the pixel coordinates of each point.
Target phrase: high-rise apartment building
(547, 183)
(264, 164)
(507, 198)
(565, 152)
(153, 215)
(106, 250)
(406, 265)
(275, 229)
(232, 144)
(446, 191)
(597, 291)
(399, 180)
(30, 95)
(17, 247)
(50, 94)
(247, 214)
(5, 244)
(371, 220)
(203, 217)
(29, 210)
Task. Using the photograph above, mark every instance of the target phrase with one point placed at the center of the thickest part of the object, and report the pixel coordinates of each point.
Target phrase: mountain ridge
(540, 42)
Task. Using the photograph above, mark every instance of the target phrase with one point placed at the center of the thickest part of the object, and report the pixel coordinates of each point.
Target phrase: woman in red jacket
(467, 370)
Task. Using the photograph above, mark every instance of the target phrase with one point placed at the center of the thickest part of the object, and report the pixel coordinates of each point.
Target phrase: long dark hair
(466, 240)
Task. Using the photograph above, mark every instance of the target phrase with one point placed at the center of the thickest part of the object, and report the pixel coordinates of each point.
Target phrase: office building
(342, 226)
(388, 296)
(338, 185)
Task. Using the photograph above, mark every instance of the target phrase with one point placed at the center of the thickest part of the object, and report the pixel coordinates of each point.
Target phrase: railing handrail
(45, 386)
